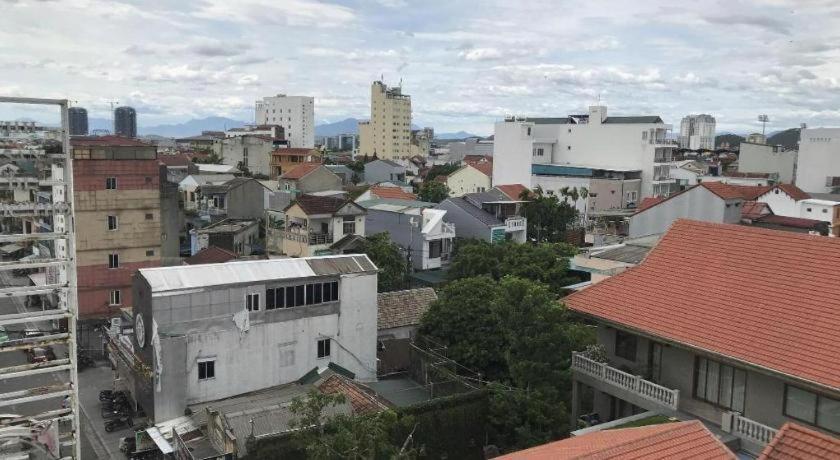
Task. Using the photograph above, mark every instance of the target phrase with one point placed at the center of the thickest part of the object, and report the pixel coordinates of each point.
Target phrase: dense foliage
(546, 263)
(433, 191)
(440, 170)
(515, 334)
(386, 255)
(549, 217)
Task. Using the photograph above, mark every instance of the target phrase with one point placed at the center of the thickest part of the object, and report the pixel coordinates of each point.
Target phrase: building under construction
(38, 380)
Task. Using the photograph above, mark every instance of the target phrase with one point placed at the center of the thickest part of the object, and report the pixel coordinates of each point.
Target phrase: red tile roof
(732, 192)
(314, 204)
(471, 159)
(210, 255)
(176, 160)
(666, 441)
(294, 151)
(513, 191)
(795, 442)
(798, 222)
(792, 191)
(300, 171)
(649, 202)
(754, 210)
(108, 141)
(486, 168)
(391, 192)
(764, 297)
(360, 401)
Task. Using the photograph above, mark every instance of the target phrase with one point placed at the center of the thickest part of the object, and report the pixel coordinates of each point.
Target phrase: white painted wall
(698, 204)
(512, 150)
(780, 203)
(819, 157)
(467, 180)
(296, 114)
(822, 210)
(555, 183)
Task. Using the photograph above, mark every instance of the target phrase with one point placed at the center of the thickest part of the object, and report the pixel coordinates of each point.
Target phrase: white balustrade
(626, 381)
(750, 429)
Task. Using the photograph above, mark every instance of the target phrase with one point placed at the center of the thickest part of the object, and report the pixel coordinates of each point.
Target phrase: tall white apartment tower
(818, 162)
(697, 132)
(388, 133)
(296, 114)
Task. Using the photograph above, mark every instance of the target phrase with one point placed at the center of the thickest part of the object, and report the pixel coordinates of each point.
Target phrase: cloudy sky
(466, 64)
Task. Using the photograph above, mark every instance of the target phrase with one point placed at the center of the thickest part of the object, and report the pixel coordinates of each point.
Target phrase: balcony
(753, 435)
(664, 142)
(514, 224)
(311, 239)
(627, 382)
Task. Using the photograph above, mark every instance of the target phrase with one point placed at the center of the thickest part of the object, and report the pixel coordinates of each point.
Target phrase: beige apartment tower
(388, 133)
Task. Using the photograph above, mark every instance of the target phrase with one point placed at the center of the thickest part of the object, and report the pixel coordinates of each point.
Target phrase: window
(252, 302)
(812, 408)
(115, 297)
(538, 152)
(625, 345)
(435, 247)
(310, 294)
(111, 183)
(113, 261)
(207, 369)
(809, 209)
(112, 222)
(720, 384)
(323, 348)
(349, 226)
(568, 147)
(150, 216)
(824, 210)
(299, 295)
(150, 253)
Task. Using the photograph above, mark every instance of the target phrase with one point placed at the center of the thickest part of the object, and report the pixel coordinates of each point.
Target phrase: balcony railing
(315, 238)
(745, 428)
(515, 223)
(644, 388)
(665, 141)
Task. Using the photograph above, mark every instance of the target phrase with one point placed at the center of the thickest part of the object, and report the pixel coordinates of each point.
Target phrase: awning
(38, 279)
(162, 444)
(10, 248)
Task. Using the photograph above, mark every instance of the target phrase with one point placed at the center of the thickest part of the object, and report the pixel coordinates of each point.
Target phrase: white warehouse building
(296, 114)
(594, 140)
(207, 332)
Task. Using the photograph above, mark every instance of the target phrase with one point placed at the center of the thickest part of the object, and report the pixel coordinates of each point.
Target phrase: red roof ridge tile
(807, 442)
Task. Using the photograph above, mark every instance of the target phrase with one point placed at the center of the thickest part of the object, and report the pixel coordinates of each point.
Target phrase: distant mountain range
(788, 138)
(458, 135)
(346, 126)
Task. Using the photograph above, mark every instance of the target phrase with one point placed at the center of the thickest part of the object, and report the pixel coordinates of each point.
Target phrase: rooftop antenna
(763, 119)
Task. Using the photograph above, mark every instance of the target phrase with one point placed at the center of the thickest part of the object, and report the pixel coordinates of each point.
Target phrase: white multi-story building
(296, 114)
(763, 158)
(213, 331)
(697, 132)
(818, 163)
(594, 141)
(388, 133)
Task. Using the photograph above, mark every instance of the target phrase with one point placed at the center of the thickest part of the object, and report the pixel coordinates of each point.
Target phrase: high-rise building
(697, 132)
(125, 121)
(78, 121)
(118, 212)
(296, 114)
(388, 133)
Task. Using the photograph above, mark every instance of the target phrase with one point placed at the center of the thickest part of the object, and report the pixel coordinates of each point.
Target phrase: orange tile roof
(649, 202)
(732, 192)
(513, 191)
(764, 297)
(795, 442)
(665, 441)
(793, 191)
(391, 192)
(360, 401)
(300, 171)
(486, 168)
(210, 255)
(754, 209)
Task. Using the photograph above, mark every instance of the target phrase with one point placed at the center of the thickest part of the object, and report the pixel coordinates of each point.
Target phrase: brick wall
(96, 283)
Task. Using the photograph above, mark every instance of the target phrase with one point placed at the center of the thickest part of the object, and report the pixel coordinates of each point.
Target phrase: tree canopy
(515, 333)
(386, 255)
(547, 262)
(433, 191)
(549, 218)
(440, 170)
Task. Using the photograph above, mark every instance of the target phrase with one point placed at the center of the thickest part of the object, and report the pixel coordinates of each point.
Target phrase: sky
(465, 64)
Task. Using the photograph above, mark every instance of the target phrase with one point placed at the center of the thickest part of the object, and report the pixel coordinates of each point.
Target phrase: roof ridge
(664, 432)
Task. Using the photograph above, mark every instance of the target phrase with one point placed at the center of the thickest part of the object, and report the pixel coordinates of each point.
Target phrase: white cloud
(285, 12)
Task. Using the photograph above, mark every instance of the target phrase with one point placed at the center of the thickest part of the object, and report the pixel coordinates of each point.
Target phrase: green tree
(547, 263)
(549, 218)
(386, 255)
(514, 332)
(212, 159)
(440, 170)
(433, 191)
(342, 436)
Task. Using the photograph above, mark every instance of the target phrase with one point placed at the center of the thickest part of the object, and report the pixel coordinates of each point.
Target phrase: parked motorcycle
(118, 422)
(107, 394)
(84, 361)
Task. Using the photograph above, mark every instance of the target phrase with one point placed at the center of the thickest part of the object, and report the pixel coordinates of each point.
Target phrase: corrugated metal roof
(165, 280)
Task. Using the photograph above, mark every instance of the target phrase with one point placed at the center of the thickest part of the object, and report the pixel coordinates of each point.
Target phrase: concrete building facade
(78, 121)
(763, 158)
(118, 217)
(388, 132)
(697, 132)
(252, 153)
(593, 140)
(125, 121)
(296, 114)
(818, 163)
(199, 329)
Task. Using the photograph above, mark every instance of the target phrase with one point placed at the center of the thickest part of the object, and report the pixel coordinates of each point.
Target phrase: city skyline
(464, 67)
